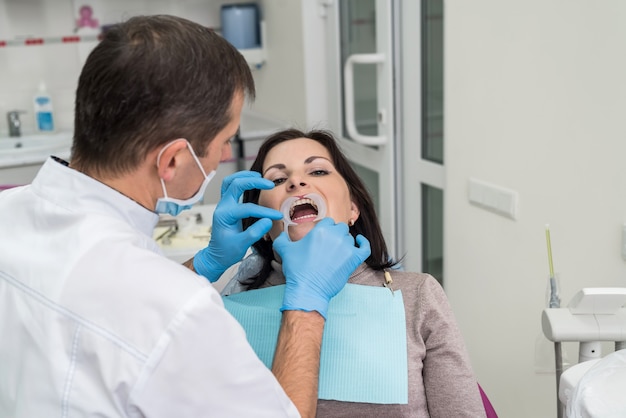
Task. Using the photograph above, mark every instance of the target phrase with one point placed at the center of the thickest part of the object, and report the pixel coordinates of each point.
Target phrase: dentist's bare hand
(318, 266)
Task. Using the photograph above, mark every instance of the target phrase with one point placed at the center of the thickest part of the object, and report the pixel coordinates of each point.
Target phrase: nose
(296, 183)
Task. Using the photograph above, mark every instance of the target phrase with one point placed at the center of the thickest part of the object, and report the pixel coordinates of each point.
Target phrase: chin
(297, 232)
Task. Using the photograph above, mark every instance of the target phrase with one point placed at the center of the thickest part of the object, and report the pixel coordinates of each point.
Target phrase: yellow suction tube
(555, 302)
(549, 251)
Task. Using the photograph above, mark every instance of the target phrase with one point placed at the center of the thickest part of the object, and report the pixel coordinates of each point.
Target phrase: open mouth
(303, 210)
(300, 209)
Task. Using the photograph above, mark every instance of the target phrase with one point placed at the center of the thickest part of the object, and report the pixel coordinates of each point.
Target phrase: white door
(386, 82)
(361, 99)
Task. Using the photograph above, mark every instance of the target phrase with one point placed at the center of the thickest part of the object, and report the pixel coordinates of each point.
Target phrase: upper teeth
(302, 201)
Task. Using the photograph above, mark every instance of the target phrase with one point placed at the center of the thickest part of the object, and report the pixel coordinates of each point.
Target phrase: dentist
(94, 320)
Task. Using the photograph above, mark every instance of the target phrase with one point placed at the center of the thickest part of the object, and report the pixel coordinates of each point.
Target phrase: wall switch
(493, 198)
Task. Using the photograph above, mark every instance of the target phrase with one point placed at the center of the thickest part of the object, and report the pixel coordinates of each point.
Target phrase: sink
(30, 143)
(34, 149)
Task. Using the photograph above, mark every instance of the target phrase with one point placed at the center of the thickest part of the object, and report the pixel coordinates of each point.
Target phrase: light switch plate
(494, 198)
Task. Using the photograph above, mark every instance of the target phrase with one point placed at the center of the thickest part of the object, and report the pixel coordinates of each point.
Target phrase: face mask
(172, 205)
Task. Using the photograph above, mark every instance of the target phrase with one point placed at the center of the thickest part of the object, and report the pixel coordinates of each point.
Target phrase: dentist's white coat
(94, 321)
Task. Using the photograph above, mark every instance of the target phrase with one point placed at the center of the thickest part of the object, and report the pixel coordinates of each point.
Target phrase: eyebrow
(281, 166)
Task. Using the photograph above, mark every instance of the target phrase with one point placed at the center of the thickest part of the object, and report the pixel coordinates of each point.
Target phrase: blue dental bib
(364, 351)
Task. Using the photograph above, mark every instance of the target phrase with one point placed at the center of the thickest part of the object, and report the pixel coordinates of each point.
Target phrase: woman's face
(299, 167)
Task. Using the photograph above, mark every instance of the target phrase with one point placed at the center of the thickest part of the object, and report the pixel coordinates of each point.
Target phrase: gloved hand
(229, 242)
(318, 266)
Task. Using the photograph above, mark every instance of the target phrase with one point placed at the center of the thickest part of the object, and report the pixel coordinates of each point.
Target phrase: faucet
(13, 118)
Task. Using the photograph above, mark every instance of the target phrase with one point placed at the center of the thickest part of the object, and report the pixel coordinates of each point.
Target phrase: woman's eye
(319, 172)
(279, 181)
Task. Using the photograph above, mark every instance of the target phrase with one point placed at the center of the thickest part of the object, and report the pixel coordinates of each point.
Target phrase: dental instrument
(555, 302)
(593, 315)
(291, 202)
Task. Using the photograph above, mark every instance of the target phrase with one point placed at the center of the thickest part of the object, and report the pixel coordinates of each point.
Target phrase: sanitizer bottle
(43, 110)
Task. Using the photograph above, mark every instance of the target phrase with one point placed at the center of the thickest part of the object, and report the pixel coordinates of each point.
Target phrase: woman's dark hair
(150, 80)
(366, 225)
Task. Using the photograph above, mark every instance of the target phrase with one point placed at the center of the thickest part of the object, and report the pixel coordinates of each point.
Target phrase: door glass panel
(432, 80)
(358, 36)
(432, 230)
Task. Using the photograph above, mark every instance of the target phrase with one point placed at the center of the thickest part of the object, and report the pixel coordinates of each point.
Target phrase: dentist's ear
(166, 160)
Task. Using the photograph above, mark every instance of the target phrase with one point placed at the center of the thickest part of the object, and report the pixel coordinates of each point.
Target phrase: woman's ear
(354, 213)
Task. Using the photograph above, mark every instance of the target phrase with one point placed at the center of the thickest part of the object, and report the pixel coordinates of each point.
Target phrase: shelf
(48, 40)
(255, 57)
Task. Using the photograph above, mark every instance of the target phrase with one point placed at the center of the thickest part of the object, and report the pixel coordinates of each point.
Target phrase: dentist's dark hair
(150, 80)
(367, 224)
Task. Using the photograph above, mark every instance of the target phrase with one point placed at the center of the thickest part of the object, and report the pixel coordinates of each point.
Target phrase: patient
(436, 378)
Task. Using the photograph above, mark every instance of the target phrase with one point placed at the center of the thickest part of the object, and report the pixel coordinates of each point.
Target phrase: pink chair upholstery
(491, 413)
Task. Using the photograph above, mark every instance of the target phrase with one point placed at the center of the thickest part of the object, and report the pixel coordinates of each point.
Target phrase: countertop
(34, 149)
(193, 234)
(190, 234)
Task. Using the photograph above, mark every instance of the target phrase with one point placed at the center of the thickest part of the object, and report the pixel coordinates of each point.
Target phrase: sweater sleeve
(450, 385)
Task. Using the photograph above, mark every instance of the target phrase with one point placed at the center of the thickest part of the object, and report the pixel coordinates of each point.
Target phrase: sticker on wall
(86, 18)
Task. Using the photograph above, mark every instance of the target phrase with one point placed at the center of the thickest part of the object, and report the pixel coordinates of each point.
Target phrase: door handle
(348, 91)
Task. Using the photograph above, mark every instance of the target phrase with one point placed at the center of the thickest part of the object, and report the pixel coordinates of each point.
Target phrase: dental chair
(489, 409)
(595, 386)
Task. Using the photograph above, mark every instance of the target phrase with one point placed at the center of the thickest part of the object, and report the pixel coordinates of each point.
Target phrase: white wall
(535, 99)
(23, 67)
(59, 65)
(280, 83)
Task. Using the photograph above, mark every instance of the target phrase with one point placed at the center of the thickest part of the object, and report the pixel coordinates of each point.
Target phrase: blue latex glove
(318, 266)
(229, 242)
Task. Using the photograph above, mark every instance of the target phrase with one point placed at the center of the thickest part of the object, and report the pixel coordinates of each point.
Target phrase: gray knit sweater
(441, 380)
